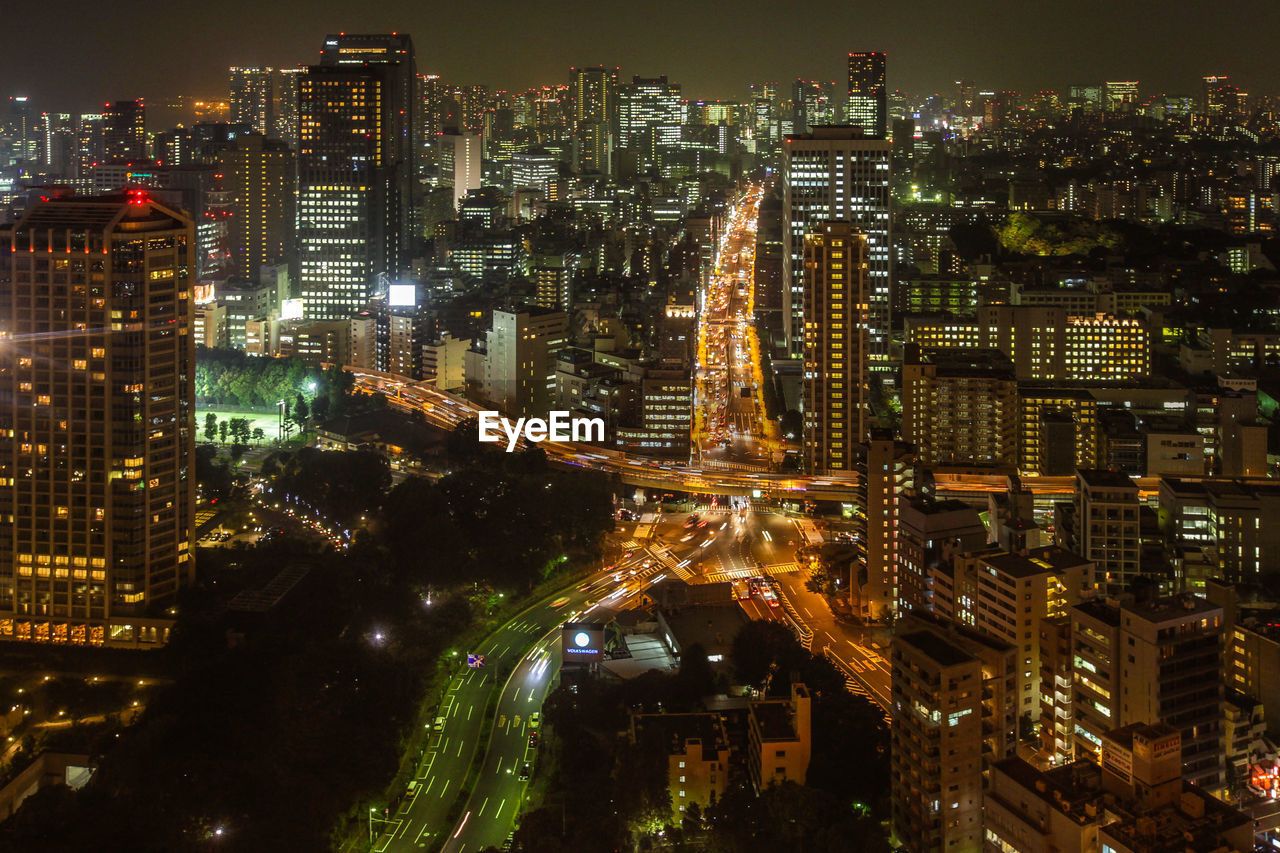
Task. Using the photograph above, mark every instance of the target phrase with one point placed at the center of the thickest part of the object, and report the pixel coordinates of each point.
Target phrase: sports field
(268, 423)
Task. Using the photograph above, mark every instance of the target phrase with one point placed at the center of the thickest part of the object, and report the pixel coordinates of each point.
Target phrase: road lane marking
(446, 786)
(459, 748)
(469, 710)
(501, 806)
(482, 805)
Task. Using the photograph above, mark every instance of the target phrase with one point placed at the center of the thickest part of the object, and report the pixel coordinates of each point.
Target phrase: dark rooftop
(1106, 479)
(774, 719)
(935, 647)
(1037, 561)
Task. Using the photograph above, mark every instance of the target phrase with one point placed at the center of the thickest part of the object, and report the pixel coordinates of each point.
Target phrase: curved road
(523, 657)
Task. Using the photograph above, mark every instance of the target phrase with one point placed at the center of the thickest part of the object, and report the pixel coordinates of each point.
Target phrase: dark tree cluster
(604, 790)
(273, 738)
(341, 485)
(504, 519)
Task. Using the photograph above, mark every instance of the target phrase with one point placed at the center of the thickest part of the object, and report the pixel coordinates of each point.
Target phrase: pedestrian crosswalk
(630, 545)
(735, 574)
(673, 565)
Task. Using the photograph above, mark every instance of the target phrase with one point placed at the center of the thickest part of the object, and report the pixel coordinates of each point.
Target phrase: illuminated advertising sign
(291, 309)
(399, 295)
(582, 642)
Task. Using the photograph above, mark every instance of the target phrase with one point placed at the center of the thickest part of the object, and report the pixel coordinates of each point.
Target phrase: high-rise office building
(836, 173)
(90, 143)
(356, 169)
(124, 131)
(1120, 96)
(595, 116)
(97, 372)
(58, 144)
(258, 173)
(533, 168)
(666, 404)
(19, 132)
(650, 115)
(813, 103)
(459, 157)
(835, 347)
(868, 104)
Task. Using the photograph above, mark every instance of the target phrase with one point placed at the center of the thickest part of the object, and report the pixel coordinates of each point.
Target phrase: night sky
(74, 55)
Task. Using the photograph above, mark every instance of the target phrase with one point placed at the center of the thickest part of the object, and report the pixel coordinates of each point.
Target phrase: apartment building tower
(97, 434)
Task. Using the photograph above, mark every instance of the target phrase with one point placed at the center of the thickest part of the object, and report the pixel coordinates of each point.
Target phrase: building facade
(839, 174)
(99, 366)
(835, 347)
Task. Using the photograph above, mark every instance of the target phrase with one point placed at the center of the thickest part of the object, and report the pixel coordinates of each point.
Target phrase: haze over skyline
(713, 53)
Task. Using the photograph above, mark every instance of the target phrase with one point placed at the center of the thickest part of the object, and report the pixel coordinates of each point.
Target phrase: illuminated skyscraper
(19, 132)
(258, 173)
(813, 103)
(1120, 96)
(650, 113)
(459, 159)
(595, 115)
(90, 143)
(868, 105)
(356, 168)
(58, 145)
(285, 99)
(252, 97)
(835, 346)
(97, 428)
(1220, 99)
(124, 131)
(836, 173)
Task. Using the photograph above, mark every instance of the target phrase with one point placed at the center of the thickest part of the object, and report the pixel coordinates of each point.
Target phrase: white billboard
(291, 309)
(402, 294)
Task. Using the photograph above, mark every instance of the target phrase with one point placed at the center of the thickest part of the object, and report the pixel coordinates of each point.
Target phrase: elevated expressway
(448, 410)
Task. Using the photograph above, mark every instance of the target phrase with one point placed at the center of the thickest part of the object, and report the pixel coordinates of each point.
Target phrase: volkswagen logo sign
(581, 639)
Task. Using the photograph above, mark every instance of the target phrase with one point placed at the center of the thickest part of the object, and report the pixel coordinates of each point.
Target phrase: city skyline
(929, 47)
(930, 495)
